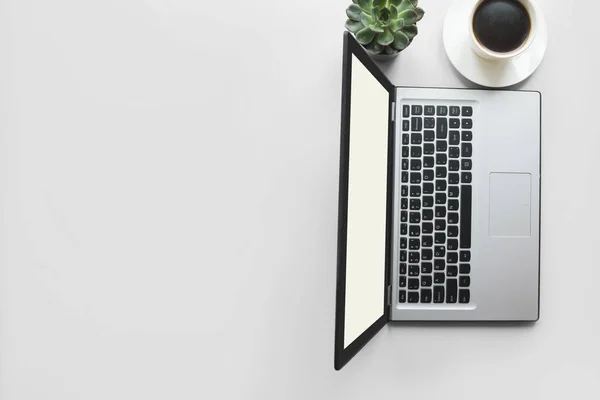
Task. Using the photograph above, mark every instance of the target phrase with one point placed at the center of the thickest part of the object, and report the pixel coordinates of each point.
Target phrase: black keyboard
(435, 204)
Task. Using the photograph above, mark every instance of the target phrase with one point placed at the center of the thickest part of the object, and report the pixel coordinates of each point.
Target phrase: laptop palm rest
(510, 205)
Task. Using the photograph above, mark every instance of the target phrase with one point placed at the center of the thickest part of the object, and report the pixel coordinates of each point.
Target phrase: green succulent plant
(384, 26)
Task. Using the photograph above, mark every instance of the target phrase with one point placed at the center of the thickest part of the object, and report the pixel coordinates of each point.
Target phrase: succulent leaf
(390, 50)
(354, 26)
(396, 25)
(396, 2)
(415, 2)
(354, 12)
(379, 3)
(366, 5)
(393, 12)
(365, 36)
(376, 28)
(401, 41)
(375, 13)
(410, 31)
(375, 47)
(366, 19)
(386, 38)
(409, 16)
(420, 12)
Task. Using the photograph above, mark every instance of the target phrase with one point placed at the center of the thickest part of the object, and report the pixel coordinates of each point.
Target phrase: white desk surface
(169, 187)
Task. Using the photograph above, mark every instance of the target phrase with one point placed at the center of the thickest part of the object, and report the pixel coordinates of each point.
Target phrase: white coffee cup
(484, 52)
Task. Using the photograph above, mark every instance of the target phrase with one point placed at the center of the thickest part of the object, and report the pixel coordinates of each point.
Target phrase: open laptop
(439, 206)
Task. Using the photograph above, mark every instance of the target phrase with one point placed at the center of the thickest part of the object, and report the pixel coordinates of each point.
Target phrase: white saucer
(496, 74)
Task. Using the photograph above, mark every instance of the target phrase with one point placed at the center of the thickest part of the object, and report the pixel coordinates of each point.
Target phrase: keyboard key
(427, 201)
(427, 215)
(415, 165)
(442, 111)
(405, 164)
(464, 296)
(467, 165)
(429, 136)
(415, 138)
(467, 149)
(453, 231)
(453, 191)
(454, 138)
(405, 151)
(465, 220)
(415, 204)
(415, 217)
(440, 185)
(453, 205)
(452, 244)
(426, 281)
(452, 289)
(414, 231)
(454, 165)
(465, 268)
(415, 151)
(405, 125)
(441, 130)
(413, 297)
(467, 111)
(415, 177)
(439, 265)
(451, 270)
(428, 148)
(454, 123)
(406, 111)
(452, 257)
(426, 241)
(406, 138)
(454, 111)
(426, 255)
(441, 159)
(403, 243)
(466, 123)
(404, 190)
(439, 251)
(415, 191)
(454, 152)
(428, 162)
(427, 228)
(414, 244)
(438, 294)
(402, 296)
(453, 178)
(466, 177)
(440, 238)
(417, 110)
(403, 269)
(441, 172)
(403, 216)
(403, 255)
(467, 136)
(429, 110)
(428, 188)
(429, 123)
(439, 277)
(440, 198)
(453, 218)
(413, 270)
(404, 204)
(416, 124)
(441, 145)
(464, 281)
(402, 281)
(414, 257)
(440, 211)
(428, 175)
(440, 225)
(465, 256)
(426, 267)
(426, 295)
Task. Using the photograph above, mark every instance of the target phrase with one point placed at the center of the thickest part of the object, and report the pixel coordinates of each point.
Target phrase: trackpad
(510, 205)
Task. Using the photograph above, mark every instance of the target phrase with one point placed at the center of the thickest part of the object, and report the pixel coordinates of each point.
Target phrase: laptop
(439, 204)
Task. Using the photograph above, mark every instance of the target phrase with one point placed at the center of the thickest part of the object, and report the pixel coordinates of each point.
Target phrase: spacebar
(465, 216)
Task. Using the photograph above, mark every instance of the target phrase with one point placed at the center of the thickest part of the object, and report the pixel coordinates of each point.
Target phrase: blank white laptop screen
(367, 196)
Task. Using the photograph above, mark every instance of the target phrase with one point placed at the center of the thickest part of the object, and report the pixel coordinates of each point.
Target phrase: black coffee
(501, 25)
